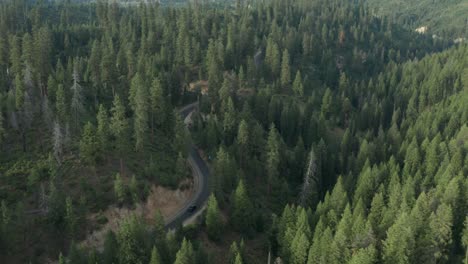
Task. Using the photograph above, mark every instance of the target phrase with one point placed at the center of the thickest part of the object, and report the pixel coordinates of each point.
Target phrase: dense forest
(446, 18)
(332, 135)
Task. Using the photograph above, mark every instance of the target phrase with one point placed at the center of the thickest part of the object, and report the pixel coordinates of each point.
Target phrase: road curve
(200, 173)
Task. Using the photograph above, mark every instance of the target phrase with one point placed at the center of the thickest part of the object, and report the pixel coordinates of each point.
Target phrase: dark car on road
(192, 208)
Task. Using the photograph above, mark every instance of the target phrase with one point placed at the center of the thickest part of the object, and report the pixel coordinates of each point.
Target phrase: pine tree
(89, 145)
(139, 103)
(129, 239)
(272, 57)
(133, 188)
(366, 255)
(213, 219)
(70, 217)
(229, 121)
(243, 142)
(19, 92)
(298, 87)
(119, 127)
(159, 226)
(60, 104)
(299, 249)
(242, 212)
(285, 70)
(464, 239)
(102, 131)
(155, 258)
(440, 224)
(157, 105)
(399, 243)
(238, 259)
(273, 155)
(119, 188)
(185, 255)
(181, 135)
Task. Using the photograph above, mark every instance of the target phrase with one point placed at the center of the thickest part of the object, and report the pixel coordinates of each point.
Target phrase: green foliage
(242, 212)
(119, 189)
(131, 241)
(155, 258)
(213, 219)
(89, 145)
(185, 255)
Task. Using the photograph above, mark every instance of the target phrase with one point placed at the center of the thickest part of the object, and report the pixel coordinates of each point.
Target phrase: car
(192, 208)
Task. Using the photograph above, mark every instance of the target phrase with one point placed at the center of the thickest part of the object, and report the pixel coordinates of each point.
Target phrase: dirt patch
(169, 202)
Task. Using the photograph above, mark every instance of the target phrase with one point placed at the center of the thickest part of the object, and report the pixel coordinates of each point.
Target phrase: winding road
(200, 173)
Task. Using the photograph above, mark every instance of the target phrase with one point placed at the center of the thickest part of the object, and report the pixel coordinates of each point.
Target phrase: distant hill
(442, 17)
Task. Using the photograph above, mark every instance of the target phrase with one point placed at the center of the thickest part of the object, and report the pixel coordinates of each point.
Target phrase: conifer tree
(129, 239)
(119, 188)
(70, 217)
(157, 105)
(185, 255)
(299, 248)
(285, 69)
(139, 103)
(242, 212)
(298, 87)
(89, 145)
(119, 127)
(155, 258)
(399, 243)
(213, 219)
(273, 155)
(60, 105)
(238, 259)
(102, 131)
(19, 93)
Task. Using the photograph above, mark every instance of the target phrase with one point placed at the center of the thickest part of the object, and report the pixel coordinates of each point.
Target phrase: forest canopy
(331, 135)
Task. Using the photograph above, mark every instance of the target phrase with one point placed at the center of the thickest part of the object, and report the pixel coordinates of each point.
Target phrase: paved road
(200, 174)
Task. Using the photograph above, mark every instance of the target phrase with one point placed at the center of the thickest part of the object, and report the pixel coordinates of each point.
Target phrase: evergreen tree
(139, 103)
(119, 127)
(238, 259)
(273, 155)
(19, 92)
(70, 217)
(185, 255)
(242, 212)
(285, 69)
(464, 239)
(213, 219)
(119, 188)
(155, 258)
(60, 104)
(298, 87)
(299, 249)
(157, 105)
(89, 145)
(364, 256)
(400, 241)
(130, 241)
(102, 131)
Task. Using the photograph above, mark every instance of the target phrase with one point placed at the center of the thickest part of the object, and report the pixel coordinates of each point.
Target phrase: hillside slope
(445, 17)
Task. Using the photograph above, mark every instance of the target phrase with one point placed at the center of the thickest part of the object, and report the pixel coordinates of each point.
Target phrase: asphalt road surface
(200, 173)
